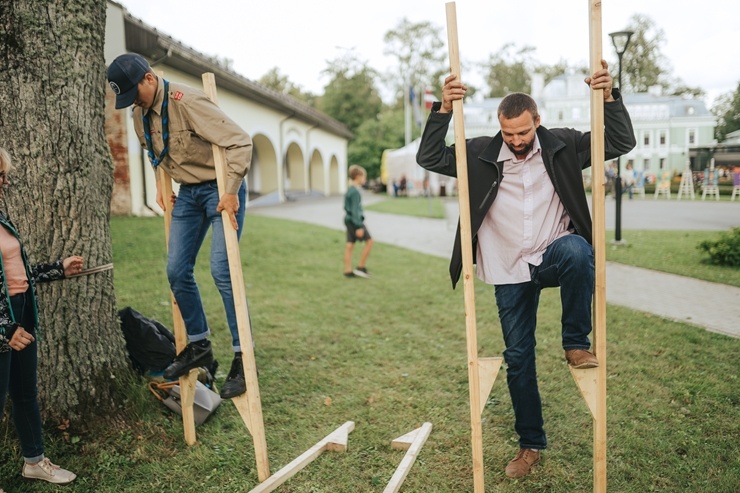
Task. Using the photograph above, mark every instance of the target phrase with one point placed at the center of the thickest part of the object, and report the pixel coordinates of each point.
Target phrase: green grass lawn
(674, 252)
(411, 206)
(389, 353)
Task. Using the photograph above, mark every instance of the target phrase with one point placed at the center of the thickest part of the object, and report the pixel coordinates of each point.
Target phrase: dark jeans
(569, 264)
(193, 215)
(18, 378)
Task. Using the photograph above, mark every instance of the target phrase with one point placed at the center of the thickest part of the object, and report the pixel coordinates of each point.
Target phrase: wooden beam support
(488, 369)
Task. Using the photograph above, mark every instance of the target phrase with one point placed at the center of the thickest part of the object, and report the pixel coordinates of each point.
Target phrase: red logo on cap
(177, 96)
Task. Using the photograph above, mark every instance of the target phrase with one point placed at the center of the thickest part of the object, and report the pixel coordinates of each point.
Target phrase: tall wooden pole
(467, 258)
(251, 410)
(599, 241)
(187, 382)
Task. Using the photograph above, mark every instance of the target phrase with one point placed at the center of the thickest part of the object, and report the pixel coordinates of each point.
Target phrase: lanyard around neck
(155, 160)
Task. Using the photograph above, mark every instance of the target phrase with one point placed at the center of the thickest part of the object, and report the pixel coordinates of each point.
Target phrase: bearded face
(519, 133)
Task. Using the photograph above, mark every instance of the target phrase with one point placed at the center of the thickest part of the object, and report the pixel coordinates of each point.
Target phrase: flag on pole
(428, 98)
(415, 106)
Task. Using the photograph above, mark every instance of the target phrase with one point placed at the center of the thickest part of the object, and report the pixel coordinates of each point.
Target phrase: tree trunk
(52, 93)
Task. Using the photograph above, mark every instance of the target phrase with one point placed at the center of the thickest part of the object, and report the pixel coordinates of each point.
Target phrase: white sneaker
(48, 472)
(361, 272)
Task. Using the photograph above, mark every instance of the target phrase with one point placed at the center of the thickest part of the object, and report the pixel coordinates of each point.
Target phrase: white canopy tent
(397, 163)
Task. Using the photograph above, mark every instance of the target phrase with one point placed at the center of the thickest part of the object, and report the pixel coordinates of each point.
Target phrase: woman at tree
(18, 347)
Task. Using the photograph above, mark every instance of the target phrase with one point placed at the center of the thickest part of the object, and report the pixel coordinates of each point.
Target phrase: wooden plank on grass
(334, 442)
(412, 442)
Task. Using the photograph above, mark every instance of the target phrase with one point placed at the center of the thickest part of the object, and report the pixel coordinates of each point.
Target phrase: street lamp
(620, 40)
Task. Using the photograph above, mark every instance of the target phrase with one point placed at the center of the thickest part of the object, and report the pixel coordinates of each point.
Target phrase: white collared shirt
(525, 218)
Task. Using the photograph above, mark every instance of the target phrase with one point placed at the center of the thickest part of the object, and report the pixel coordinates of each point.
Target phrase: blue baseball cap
(124, 75)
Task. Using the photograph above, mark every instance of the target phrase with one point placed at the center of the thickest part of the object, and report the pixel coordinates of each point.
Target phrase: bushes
(725, 251)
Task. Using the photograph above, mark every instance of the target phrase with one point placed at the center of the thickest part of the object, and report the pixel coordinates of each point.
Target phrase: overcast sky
(299, 36)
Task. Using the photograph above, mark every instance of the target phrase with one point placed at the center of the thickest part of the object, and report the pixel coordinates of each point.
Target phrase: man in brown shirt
(176, 126)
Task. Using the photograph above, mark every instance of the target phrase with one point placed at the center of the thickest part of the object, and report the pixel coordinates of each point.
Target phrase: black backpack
(150, 345)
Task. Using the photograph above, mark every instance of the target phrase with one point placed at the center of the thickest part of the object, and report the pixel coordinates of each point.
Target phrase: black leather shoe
(235, 384)
(193, 356)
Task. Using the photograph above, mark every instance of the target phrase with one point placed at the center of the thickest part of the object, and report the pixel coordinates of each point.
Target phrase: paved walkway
(715, 307)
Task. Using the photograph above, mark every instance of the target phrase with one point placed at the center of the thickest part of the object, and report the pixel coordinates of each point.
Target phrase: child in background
(354, 220)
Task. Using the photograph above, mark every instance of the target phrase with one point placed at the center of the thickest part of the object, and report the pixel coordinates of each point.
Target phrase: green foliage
(727, 111)
(276, 81)
(643, 64)
(687, 92)
(420, 52)
(725, 251)
(375, 136)
(350, 96)
(552, 71)
(508, 71)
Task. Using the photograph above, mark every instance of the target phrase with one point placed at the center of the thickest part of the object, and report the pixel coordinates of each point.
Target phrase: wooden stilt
(334, 442)
(593, 382)
(249, 404)
(412, 442)
(467, 259)
(187, 382)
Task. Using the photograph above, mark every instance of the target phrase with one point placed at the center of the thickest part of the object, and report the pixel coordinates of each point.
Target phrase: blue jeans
(569, 263)
(18, 377)
(194, 213)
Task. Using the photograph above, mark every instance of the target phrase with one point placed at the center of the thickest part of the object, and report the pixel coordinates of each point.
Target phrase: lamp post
(620, 40)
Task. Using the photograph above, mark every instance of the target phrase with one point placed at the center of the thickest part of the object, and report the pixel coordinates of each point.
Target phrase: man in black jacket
(531, 229)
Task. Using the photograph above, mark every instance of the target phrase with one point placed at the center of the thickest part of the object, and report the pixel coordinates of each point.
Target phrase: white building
(666, 128)
(297, 149)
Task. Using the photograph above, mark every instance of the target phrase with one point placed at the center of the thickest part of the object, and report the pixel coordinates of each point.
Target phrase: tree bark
(52, 93)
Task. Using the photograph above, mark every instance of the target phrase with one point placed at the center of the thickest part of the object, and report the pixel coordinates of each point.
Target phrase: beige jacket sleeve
(211, 124)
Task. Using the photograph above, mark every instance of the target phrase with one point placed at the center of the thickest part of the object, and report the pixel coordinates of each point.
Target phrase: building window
(646, 139)
(560, 115)
(662, 137)
(662, 163)
(692, 136)
(646, 164)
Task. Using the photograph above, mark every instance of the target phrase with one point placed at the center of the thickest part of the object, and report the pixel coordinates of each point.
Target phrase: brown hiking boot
(580, 358)
(520, 465)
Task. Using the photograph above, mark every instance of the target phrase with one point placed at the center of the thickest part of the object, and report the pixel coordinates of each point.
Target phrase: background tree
(727, 110)
(560, 68)
(509, 70)
(52, 94)
(420, 53)
(276, 81)
(373, 137)
(350, 96)
(643, 64)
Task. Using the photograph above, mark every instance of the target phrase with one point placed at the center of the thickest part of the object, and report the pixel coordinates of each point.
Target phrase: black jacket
(35, 273)
(565, 151)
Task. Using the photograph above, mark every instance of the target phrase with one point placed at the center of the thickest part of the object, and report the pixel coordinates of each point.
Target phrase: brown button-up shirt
(194, 124)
